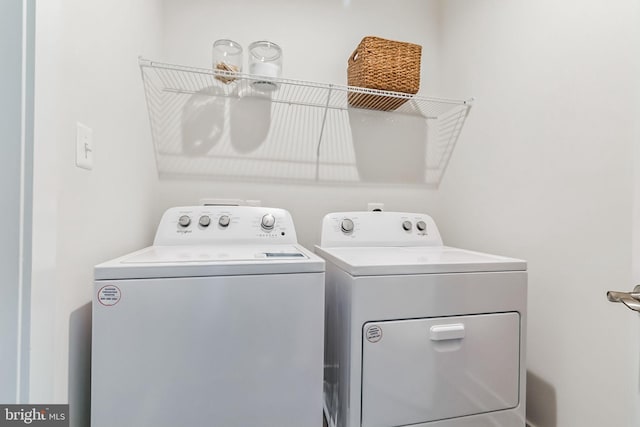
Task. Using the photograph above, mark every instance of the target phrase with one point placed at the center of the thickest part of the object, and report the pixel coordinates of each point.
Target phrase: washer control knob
(346, 225)
(268, 221)
(184, 221)
(407, 225)
(421, 225)
(204, 220)
(224, 221)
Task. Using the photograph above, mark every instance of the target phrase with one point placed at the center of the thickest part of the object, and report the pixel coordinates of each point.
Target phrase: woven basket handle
(354, 56)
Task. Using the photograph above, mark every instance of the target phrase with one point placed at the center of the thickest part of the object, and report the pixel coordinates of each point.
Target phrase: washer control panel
(379, 229)
(195, 225)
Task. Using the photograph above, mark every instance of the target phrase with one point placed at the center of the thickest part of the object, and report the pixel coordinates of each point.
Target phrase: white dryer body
(419, 334)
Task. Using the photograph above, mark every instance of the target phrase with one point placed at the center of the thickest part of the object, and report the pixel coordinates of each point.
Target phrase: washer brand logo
(39, 415)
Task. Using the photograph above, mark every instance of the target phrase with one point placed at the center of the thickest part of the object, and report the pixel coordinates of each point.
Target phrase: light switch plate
(84, 146)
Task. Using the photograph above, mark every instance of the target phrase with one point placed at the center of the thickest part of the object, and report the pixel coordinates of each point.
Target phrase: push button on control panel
(184, 221)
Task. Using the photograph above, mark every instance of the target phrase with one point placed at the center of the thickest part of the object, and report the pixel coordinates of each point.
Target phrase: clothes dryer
(419, 334)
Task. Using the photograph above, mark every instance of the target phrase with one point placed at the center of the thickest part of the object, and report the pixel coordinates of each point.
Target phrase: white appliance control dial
(346, 225)
(421, 225)
(184, 221)
(224, 221)
(268, 221)
(204, 221)
(407, 225)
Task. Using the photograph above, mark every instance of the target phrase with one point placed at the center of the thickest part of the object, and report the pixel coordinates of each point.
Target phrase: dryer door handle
(453, 331)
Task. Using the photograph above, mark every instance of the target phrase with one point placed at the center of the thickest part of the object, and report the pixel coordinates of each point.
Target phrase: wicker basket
(383, 65)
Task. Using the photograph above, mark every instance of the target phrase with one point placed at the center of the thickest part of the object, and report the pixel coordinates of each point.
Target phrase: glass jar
(265, 59)
(227, 56)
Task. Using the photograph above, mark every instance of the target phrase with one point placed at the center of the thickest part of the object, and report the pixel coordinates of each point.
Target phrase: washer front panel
(219, 351)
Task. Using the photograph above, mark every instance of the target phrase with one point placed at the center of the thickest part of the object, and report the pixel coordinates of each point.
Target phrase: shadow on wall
(542, 410)
(389, 148)
(80, 366)
(236, 138)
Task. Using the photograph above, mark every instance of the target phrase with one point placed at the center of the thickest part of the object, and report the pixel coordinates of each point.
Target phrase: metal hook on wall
(630, 299)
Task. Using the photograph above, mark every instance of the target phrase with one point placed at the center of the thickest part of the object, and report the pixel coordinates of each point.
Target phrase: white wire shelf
(296, 131)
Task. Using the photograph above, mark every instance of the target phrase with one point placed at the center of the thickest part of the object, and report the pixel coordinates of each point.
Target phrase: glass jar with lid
(265, 60)
(227, 57)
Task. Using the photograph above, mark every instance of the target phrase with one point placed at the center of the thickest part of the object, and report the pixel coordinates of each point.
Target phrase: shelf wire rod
(419, 108)
(164, 77)
(451, 125)
(148, 101)
(185, 80)
(251, 94)
(166, 120)
(199, 81)
(281, 136)
(324, 121)
(453, 138)
(174, 79)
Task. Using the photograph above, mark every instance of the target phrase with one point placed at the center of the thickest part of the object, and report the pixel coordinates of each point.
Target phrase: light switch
(84, 146)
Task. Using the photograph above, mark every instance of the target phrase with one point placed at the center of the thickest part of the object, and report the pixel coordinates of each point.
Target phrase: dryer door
(416, 371)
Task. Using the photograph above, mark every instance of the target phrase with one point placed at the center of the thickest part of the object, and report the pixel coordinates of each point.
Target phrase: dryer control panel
(194, 225)
(379, 229)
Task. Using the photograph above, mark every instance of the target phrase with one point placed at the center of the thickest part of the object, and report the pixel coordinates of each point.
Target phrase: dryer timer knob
(421, 225)
(346, 226)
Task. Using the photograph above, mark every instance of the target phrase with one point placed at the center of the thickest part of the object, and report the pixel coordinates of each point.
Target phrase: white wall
(317, 38)
(86, 61)
(545, 173)
(87, 71)
(11, 109)
(543, 170)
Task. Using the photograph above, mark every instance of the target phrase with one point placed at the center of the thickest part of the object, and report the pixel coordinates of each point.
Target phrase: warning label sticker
(373, 333)
(109, 295)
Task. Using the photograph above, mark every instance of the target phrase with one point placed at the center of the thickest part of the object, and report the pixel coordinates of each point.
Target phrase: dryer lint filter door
(417, 371)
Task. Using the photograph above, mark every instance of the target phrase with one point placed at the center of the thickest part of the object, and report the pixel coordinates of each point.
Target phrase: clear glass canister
(265, 59)
(227, 56)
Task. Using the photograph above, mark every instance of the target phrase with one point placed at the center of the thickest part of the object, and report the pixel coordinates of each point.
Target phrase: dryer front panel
(422, 370)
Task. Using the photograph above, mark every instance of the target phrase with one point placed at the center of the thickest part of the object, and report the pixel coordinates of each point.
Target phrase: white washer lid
(382, 261)
(210, 260)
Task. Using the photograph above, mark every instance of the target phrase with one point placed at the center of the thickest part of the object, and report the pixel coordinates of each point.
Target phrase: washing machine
(219, 323)
(419, 334)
